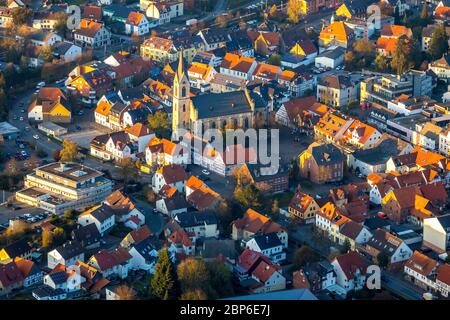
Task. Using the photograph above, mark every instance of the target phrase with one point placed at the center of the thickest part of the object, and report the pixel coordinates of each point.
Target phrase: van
(40, 85)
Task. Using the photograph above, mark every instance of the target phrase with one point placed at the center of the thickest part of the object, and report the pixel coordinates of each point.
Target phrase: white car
(36, 136)
(206, 172)
(21, 118)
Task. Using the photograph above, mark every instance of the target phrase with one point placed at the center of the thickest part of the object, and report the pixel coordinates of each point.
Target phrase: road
(400, 287)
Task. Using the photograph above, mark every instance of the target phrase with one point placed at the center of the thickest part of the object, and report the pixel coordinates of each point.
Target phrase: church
(230, 110)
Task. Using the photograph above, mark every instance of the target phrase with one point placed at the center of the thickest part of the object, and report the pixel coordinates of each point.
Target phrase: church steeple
(180, 70)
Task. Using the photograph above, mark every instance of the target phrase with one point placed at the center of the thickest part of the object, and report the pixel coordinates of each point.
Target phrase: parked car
(204, 171)
(36, 136)
(382, 215)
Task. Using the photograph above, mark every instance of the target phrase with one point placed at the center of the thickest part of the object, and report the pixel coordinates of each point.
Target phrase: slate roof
(267, 241)
(221, 104)
(326, 154)
(194, 218)
(69, 249)
(17, 248)
(87, 234)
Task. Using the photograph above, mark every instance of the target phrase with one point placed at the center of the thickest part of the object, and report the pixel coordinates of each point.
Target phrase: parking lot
(18, 210)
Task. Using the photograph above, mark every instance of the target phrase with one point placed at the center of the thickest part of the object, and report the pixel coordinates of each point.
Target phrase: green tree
(382, 259)
(303, 256)
(221, 278)
(274, 60)
(438, 43)
(69, 151)
(164, 282)
(346, 246)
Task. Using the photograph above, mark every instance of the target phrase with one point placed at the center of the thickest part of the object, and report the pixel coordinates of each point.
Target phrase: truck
(191, 22)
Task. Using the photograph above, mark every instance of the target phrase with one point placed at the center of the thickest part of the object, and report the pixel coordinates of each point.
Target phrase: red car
(382, 215)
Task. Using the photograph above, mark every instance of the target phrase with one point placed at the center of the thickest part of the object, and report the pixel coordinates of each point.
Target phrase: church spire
(180, 65)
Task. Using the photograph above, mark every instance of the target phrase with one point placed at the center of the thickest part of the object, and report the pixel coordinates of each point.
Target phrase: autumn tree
(196, 294)
(69, 151)
(21, 15)
(159, 122)
(164, 283)
(382, 63)
(127, 170)
(401, 58)
(193, 274)
(12, 168)
(294, 10)
(275, 207)
(124, 292)
(273, 10)
(47, 238)
(247, 196)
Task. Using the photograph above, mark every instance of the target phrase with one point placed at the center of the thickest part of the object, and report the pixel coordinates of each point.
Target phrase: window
(183, 92)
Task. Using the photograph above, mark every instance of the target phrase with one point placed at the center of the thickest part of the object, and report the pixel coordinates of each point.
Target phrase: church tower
(181, 100)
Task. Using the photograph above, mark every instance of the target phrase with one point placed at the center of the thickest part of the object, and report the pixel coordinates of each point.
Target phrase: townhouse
(92, 34)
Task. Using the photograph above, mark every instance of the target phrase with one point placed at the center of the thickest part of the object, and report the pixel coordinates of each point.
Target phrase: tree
(46, 53)
(127, 170)
(350, 60)
(382, 63)
(346, 246)
(196, 294)
(21, 16)
(12, 168)
(221, 278)
(303, 256)
(401, 58)
(124, 292)
(193, 274)
(294, 10)
(275, 207)
(59, 235)
(61, 23)
(69, 151)
(247, 196)
(438, 43)
(47, 238)
(424, 14)
(382, 259)
(159, 122)
(164, 282)
(274, 59)
(273, 10)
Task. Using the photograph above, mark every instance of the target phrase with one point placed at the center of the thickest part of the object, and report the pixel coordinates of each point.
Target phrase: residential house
(254, 223)
(92, 34)
(337, 34)
(202, 224)
(351, 271)
(67, 51)
(137, 24)
(124, 209)
(11, 278)
(144, 256)
(321, 163)
(441, 67)
(421, 270)
(31, 272)
(115, 263)
(50, 105)
(241, 67)
(436, 233)
(265, 43)
(200, 76)
(163, 152)
(66, 254)
(101, 215)
(303, 207)
(214, 38)
(337, 91)
(136, 236)
(269, 245)
(266, 179)
(18, 249)
(87, 236)
(355, 233)
(259, 273)
(300, 112)
(383, 242)
(330, 58)
(172, 174)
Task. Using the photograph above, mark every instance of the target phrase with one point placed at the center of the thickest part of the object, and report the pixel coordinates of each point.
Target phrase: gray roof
(380, 154)
(268, 240)
(17, 248)
(102, 213)
(61, 48)
(221, 104)
(333, 53)
(195, 218)
(87, 234)
(444, 221)
(70, 249)
(327, 154)
(292, 294)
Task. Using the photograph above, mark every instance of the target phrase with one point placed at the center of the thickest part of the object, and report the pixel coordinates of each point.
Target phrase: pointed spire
(180, 65)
